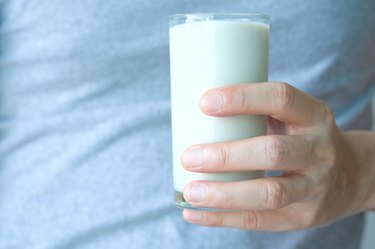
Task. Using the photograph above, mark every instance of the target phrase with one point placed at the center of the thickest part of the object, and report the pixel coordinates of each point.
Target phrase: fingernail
(211, 102)
(193, 157)
(196, 193)
(192, 216)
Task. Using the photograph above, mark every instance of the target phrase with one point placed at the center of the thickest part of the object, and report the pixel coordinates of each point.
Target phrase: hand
(324, 174)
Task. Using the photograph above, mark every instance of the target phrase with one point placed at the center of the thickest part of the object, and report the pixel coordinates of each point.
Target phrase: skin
(327, 174)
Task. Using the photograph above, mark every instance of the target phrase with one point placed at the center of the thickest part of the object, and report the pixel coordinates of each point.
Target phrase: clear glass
(200, 17)
(211, 51)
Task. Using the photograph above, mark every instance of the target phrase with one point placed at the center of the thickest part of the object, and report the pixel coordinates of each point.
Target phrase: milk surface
(205, 55)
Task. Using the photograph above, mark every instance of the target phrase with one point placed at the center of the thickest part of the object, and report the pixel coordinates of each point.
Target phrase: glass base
(181, 203)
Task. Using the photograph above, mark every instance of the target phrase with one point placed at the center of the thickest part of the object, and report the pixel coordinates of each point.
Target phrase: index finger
(279, 100)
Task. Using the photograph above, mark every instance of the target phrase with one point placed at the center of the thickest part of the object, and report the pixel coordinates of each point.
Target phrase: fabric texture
(85, 136)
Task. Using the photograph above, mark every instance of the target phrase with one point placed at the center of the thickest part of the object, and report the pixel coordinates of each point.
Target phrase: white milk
(205, 55)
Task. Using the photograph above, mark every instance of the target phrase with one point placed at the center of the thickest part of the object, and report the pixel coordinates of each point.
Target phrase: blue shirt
(85, 136)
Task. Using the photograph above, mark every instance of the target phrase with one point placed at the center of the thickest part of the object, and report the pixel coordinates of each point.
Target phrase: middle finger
(260, 153)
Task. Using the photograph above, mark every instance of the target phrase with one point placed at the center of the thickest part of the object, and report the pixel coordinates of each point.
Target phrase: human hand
(324, 175)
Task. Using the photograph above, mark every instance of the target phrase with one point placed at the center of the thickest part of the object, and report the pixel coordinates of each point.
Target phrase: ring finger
(259, 194)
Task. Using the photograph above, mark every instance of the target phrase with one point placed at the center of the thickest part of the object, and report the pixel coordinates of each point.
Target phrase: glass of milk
(209, 51)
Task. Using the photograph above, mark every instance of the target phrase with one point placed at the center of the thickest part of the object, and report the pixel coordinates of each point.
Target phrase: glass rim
(218, 16)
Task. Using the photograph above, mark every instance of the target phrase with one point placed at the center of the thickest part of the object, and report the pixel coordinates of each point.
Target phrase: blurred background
(369, 236)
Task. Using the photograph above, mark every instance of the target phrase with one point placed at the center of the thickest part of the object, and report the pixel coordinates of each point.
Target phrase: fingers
(279, 100)
(277, 220)
(260, 153)
(274, 196)
(259, 194)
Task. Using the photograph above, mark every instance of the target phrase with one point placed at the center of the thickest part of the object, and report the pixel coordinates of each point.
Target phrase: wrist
(362, 146)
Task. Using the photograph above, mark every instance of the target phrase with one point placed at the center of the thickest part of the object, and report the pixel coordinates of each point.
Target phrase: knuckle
(275, 195)
(328, 144)
(223, 155)
(227, 199)
(214, 220)
(220, 197)
(275, 151)
(328, 115)
(251, 221)
(307, 221)
(311, 219)
(284, 94)
(332, 156)
(244, 99)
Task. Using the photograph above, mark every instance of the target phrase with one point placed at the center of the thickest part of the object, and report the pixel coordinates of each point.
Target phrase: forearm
(362, 144)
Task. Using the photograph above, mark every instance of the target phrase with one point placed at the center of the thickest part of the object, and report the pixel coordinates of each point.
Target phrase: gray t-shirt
(85, 136)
